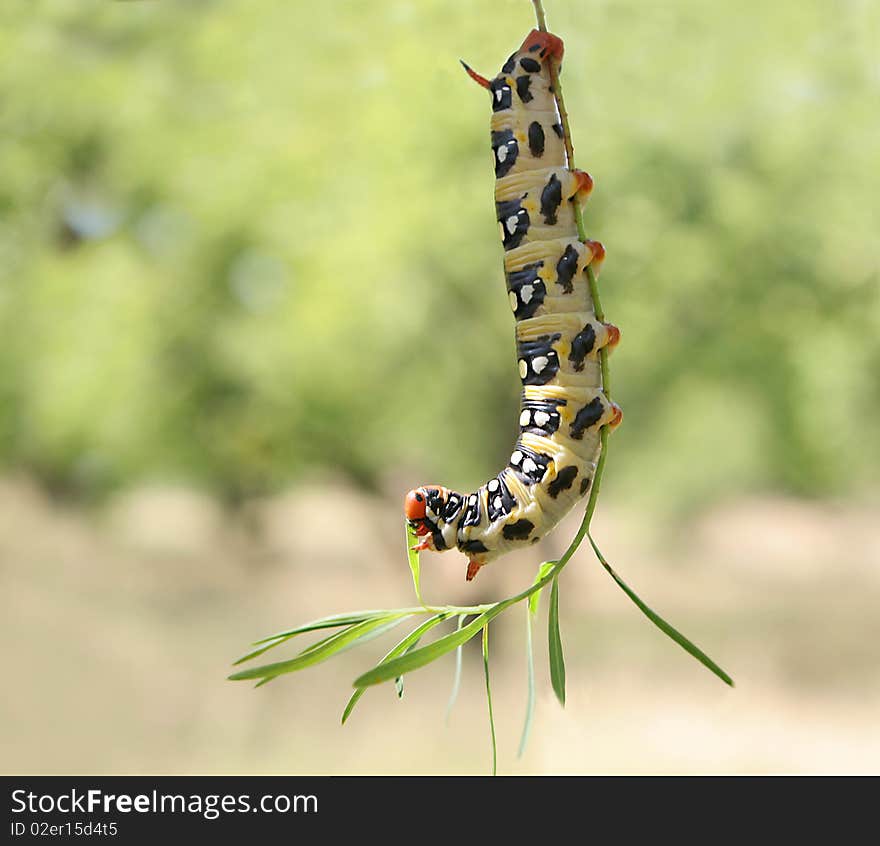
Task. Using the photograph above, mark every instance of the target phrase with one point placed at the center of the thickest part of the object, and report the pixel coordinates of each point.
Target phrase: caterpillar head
(415, 506)
(423, 508)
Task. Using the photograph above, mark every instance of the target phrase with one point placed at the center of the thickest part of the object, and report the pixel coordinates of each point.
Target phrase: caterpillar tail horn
(473, 569)
(480, 80)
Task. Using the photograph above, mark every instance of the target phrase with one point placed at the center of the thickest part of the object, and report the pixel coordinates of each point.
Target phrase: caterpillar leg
(597, 250)
(617, 417)
(584, 183)
(426, 543)
(613, 336)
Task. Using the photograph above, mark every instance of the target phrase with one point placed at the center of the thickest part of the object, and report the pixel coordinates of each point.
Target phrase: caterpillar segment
(558, 337)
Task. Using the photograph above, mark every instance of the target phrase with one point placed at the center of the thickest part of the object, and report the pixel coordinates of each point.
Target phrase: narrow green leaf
(426, 654)
(557, 662)
(400, 648)
(335, 621)
(456, 679)
(543, 570)
(398, 682)
(530, 702)
(412, 539)
(268, 646)
(687, 645)
(489, 698)
(326, 623)
(324, 649)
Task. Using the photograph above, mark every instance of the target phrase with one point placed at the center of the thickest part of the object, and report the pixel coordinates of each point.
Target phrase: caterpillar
(558, 337)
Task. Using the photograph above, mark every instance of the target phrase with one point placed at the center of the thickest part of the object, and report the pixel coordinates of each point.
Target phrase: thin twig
(539, 14)
(594, 293)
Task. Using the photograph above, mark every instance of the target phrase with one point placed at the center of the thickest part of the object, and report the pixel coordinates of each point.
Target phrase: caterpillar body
(558, 337)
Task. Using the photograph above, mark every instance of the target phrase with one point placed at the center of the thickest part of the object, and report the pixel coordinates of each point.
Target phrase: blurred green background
(251, 292)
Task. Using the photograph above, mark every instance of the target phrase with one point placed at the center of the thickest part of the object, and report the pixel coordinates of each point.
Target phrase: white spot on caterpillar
(526, 293)
(513, 302)
(502, 153)
(497, 503)
(516, 457)
(511, 224)
(472, 499)
(529, 466)
(539, 363)
(499, 95)
(523, 368)
(493, 485)
(541, 418)
(524, 418)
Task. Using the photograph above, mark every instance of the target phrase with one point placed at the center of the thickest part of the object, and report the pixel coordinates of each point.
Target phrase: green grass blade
(489, 698)
(456, 679)
(426, 654)
(530, 702)
(268, 646)
(543, 570)
(557, 662)
(324, 649)
(687, 645)
(412, 539)
(398, 682)
(335, 621)
(353, 700)
(330, 622)
(399, 649)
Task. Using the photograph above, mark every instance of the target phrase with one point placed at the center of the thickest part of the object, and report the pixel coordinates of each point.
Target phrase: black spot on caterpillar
(472, 512)
(528, 465)
(536, 139)
(540, 417)
(436, 535)
(586, 418)
(551, 198)
(505, 149)
(563, 481)
(500, 95)
(435, 503)
(453, 506)
(565, 268)
(527, 290)
(500, 501)
(514, 220)
(558, 447)
(538, 361)
(523, 88)
(582, 346)
(519, 530)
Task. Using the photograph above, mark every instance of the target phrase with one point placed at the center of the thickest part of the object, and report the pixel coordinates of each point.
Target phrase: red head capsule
(414, 505)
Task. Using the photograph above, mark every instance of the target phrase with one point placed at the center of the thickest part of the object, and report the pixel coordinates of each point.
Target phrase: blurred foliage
(243, 240)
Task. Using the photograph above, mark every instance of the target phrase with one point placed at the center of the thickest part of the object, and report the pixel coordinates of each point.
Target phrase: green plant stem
(489, 698)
